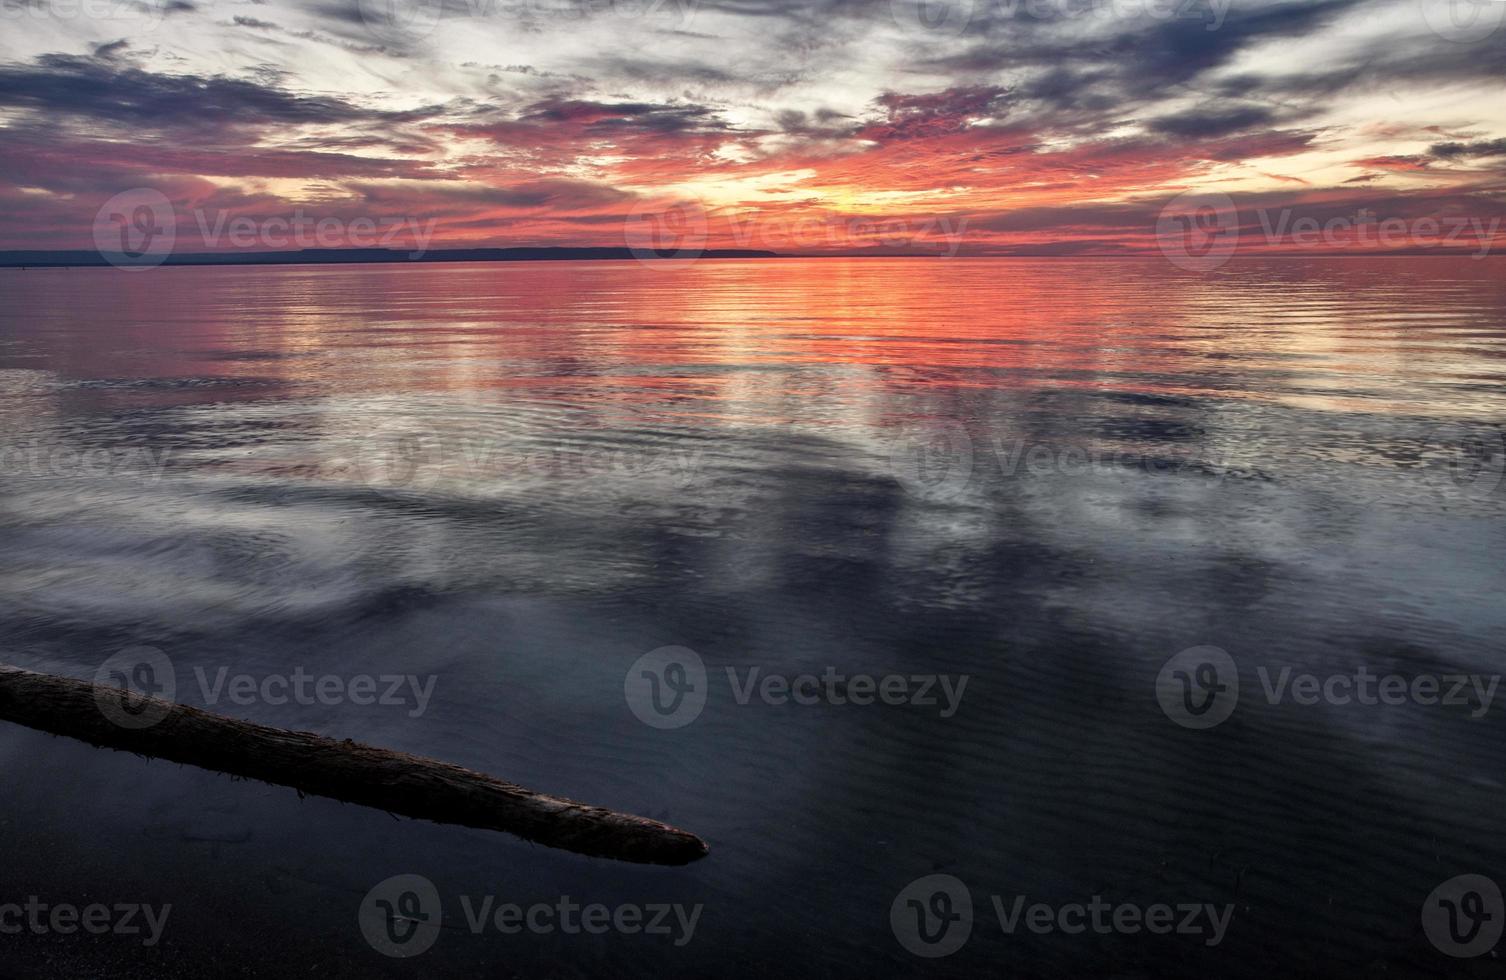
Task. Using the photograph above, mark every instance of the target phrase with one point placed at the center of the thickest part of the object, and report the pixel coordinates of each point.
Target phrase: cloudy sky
(800, 125)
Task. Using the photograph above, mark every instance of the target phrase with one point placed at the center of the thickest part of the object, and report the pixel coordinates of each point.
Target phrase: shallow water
(512, 481)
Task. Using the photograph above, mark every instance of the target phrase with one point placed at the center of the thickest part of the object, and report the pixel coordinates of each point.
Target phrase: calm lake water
(513, 481)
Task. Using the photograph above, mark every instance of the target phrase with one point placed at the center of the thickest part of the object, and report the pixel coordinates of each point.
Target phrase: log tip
(691, 849)
(663, 844)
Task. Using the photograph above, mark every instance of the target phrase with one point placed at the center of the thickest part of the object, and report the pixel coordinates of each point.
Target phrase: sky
(957, 127)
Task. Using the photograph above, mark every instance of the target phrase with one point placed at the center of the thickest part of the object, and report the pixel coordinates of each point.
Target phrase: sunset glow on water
(1030, 482)
(752, 488)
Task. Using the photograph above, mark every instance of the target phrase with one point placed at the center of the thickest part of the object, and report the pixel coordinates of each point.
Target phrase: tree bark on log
(399, 783)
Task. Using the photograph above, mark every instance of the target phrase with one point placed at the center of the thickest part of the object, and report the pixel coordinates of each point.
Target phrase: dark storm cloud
(63, 86)
(1070, 90)
(1400, 63)
(936, 114)
(108, 51)
(1481, 148)
(683, 69)
(42, 156)
(661, 118)
(347, 12)
(1151, 53)
(578, 121)
(821, 124)
(556, 195)
(1211, 122)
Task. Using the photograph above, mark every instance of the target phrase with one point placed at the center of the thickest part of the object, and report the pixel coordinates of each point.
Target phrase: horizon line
(91, 258)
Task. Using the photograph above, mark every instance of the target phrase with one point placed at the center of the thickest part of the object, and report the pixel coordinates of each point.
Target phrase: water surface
(1048, 475)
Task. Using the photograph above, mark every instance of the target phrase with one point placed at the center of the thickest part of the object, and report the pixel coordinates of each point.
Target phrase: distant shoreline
(346, 256)
(70, 259)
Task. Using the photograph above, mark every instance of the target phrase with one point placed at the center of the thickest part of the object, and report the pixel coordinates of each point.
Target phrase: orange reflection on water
(757, 339)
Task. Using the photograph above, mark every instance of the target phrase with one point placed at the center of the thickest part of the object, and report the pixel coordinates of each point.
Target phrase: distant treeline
(54, 259)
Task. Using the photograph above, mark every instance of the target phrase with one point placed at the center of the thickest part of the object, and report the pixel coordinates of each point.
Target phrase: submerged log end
(607, 833)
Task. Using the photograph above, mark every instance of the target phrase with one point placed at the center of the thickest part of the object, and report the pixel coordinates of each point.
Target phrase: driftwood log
(399, 783)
